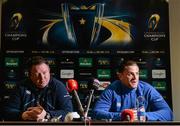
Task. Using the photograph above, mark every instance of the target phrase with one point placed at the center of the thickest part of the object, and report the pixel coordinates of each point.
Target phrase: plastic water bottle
(141, 113)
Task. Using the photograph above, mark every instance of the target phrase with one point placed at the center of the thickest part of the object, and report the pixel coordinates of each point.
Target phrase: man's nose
(134, 76)
(41, 76)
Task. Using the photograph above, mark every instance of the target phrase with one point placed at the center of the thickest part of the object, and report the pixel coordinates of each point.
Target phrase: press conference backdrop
(86, 39)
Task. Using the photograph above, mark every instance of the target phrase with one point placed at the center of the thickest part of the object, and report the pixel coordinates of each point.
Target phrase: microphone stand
(79, 102)
(88, 105)
(86, 118)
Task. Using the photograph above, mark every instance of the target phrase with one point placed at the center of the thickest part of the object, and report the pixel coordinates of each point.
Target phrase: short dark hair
(35, 60)
(126, 63)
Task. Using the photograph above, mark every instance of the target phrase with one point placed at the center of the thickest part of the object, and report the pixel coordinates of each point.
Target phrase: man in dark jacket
(39, 97)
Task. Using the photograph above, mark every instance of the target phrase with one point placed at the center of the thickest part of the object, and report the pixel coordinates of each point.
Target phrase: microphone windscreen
(72, 85)
(96, 84)
(127, 115)
(93, 83)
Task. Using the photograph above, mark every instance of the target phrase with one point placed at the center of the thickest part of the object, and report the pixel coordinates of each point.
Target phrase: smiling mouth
(134, 82)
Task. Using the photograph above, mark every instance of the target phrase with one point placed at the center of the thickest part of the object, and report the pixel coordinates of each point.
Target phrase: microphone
(93, 84)
(72, 85)
(128, 115)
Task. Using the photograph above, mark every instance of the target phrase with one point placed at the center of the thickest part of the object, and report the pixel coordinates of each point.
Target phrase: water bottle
(141, 114)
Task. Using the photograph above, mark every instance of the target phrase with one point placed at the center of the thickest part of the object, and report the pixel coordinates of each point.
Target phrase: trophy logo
(15, 21)
(82, 23)
(153, 22)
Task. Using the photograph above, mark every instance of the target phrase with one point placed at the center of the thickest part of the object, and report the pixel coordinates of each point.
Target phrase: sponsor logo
(10, 85)
(158, 62)
(11, 73)
(104, 73)
(66, 61)
(86, 73)
(118, 61)
(85, 62)
(161, 74)
(11, 62)
(51, 61)
(159, 85)
(143, 74)
(66, 74)
(141, 61)
(83, 84)
(103, 61)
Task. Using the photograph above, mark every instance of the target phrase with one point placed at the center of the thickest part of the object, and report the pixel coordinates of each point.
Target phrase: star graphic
(82, 21)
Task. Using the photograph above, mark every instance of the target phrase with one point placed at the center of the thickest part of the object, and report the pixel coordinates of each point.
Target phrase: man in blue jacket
(129, 93)
(39, 97)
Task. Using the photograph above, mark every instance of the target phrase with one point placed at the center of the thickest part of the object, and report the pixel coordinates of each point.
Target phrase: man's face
(40, 75)
(130, 76)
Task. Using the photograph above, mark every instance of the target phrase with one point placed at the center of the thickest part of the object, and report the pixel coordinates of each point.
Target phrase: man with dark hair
(39, 97)
(130, 99)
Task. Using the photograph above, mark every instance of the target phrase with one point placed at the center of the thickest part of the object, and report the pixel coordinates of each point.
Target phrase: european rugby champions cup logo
(153, 32)
(82, 23)
(153, 22)
(15, 30)
(15, 21)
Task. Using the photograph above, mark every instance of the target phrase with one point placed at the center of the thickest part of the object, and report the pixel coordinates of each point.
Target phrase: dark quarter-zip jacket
(54, 98)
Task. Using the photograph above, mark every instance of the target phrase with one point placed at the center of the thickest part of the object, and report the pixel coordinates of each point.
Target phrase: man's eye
(36, 74)
(45, 73)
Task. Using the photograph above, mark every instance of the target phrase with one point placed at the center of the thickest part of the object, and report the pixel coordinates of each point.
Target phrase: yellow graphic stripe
(52, 22)
(47, 28)
(120, 31)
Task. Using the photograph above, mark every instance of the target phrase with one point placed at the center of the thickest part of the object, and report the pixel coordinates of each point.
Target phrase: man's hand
(34, 113)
